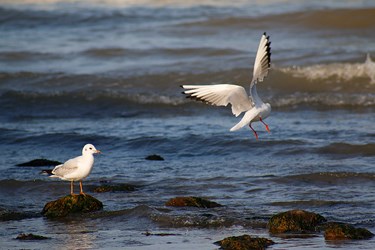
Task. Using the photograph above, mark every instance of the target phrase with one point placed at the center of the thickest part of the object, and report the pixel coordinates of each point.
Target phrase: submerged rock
(39, 163)
(147, 233)
(295, 221)
(6, 215)
(154, 158)
(191, 201)
(341, 231)
(244, 242)
(69, 204)
(31, 237)
(115, 188)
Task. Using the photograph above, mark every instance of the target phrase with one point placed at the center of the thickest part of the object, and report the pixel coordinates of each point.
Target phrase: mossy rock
(39, 163)
(341, 231)
(115, 188)
(295, 221)
(70, 204)
(244, 242)
(191, 201)
(31, 237)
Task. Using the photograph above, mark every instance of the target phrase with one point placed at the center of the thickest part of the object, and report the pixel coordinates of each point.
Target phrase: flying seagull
(78, 168)
(223, 94)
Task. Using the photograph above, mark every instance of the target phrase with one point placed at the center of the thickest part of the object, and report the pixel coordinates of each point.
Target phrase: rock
(39, 163)
(341, 231)
(154, 158)
(69, 204)
(6, 215)
(147, 233)
(114, 188)
(31, 237)
(244, 242)
(295, 221)
(191, 201)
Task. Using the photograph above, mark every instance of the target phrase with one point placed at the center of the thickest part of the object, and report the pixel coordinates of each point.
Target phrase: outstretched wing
(220, 95)
(262, 60)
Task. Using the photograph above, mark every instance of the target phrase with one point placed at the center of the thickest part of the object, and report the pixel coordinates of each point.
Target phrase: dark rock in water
(31, 237)
(295, 221)
(154, 158)
(115, 188)
(147, 233)
(39, 163)
(70, 204)
(6, 215)
(244, 242)
(191, 201)
(341, 231)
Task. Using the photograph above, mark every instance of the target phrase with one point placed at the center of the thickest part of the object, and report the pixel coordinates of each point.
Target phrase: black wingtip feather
(197, 99)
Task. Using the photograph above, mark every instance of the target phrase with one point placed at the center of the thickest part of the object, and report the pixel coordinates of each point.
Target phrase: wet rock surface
(31, 237)
(71, 204)
(191, 201)
(295, 221)
(342, 231)
(244, 242)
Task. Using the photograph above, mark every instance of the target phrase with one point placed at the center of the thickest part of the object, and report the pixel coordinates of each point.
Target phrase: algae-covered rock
(115, 188)
(69, 204)
(39, 163)
(244, 242)
(295, 221)
(191, 201)
(31, 237)
(341, 231)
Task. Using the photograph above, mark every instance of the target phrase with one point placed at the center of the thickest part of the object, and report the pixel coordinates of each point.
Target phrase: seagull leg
(80, 186)
(255, 133)
(267, 128)
(71, 188)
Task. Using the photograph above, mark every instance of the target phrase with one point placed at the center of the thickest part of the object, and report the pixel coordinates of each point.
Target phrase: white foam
(337, 71)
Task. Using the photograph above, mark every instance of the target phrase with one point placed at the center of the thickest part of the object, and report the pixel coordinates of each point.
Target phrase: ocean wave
(319, 18)
(331, 18)
(191, 52)
(327, 178)
(26, 56)
(310, 203)
(335, 71)
(348, 150)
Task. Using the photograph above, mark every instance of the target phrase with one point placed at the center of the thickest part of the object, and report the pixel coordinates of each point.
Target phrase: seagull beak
(98, 152)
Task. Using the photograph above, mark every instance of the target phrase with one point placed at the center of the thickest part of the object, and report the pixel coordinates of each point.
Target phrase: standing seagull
(78, 168)
(222, 94)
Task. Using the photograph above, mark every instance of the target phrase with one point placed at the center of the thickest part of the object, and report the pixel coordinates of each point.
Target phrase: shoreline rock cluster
(292, 223)
(304, 222)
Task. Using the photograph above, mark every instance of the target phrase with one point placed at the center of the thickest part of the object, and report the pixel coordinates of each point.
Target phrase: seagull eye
(90, 148)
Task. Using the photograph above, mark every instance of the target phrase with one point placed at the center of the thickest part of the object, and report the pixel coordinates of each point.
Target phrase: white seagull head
(90, 149)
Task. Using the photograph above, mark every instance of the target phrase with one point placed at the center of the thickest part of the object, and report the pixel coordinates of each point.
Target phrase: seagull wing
(220, 95)
(262, 60)
(68, 167)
